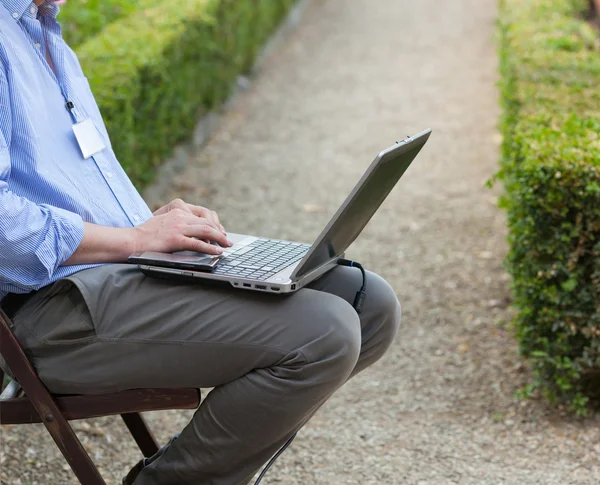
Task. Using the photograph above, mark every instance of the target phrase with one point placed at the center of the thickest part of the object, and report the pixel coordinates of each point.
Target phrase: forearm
(174, 230)
(103, 245)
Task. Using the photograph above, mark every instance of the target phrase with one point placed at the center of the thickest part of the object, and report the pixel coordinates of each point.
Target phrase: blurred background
(269, 111)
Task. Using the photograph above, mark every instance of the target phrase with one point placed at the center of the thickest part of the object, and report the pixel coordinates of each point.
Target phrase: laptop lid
(362, 203)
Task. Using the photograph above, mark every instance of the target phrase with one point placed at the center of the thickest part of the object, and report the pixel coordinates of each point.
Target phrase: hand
(180, 230)
(193, 209)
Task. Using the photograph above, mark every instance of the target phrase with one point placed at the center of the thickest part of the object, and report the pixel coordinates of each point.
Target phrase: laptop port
(274, 288)
(247, 285)
(260, 287)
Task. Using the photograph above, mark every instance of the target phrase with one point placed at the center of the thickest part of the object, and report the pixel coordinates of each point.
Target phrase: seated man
(90, 324)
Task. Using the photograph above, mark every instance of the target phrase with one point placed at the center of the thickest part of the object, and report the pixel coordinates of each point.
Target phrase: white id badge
(88, 137)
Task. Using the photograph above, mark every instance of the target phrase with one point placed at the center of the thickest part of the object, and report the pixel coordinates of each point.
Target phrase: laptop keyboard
(261, 259)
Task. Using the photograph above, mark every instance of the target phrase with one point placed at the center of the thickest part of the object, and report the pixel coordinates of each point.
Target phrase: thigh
(112, 328)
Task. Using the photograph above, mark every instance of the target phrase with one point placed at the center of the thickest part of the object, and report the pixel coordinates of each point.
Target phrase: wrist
(132, 243)
(102, 244)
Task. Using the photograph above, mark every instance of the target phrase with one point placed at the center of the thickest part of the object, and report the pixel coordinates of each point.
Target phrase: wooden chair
(26, 400)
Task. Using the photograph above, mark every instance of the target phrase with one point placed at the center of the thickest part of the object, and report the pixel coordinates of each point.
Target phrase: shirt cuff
(62, 240)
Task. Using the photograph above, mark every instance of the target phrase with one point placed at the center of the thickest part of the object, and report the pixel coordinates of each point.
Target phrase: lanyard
(53, 52)
(87, 135)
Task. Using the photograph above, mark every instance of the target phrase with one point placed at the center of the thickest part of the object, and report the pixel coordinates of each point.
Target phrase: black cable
(360, 294)
(264, 472)
(358, 302)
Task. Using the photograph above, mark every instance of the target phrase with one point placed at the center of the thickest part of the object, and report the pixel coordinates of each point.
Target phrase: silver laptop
(275, 266)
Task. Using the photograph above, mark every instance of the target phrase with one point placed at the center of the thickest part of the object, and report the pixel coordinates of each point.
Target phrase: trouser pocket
(59, 317)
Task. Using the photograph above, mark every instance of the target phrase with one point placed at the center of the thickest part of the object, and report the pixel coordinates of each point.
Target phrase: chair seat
(21, 411)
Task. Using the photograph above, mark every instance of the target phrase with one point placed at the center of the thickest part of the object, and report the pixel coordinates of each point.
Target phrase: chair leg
(73, 451)
(58, 427)
(141, 433)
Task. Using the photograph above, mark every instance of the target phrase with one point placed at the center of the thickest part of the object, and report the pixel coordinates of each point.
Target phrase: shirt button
(15, 15)
(32, 9)
(136, 218)
(108, 174)
(38, 45)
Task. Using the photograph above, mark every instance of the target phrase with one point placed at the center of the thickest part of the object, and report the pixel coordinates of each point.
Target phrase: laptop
(280, 267)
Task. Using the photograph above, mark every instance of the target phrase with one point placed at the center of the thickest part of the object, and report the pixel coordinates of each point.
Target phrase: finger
(205, 213)
(203, 231)
(174, 204)
(162, 210)
(214, 217)
(210, 222)
(191, 219)
(179, 204)
(190, 244)
(198, 210)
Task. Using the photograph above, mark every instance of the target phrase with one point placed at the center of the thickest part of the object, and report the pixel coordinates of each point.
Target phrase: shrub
(550, 67)
(82, 19)
(155, 73)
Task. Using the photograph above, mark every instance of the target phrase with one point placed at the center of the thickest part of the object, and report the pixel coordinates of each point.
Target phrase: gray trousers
(273, 360)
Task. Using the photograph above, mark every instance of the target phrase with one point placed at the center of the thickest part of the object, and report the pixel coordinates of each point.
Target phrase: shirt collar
(19, 7)
(49, 8)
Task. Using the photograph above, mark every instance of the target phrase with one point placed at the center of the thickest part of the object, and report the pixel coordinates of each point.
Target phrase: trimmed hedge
(156, 72)
(550, 66)
(82, 19)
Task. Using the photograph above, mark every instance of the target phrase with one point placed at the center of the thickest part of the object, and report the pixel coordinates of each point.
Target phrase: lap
(113, 317)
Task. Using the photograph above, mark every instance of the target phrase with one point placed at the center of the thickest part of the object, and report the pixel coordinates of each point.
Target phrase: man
(90, 324)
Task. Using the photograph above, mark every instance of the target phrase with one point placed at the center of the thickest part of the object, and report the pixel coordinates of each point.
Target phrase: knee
(334, 345)
(383, 313)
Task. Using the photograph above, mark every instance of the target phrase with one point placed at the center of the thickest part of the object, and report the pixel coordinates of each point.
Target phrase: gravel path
(440, 408)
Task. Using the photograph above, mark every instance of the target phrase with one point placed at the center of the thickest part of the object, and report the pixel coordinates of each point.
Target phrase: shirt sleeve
(34, 239)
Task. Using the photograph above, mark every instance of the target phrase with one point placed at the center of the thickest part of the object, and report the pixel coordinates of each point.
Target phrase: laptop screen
(362, 204)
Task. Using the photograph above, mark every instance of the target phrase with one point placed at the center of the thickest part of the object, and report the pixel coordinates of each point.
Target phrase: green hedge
(82, 19)
(550, 67)
(156, 72)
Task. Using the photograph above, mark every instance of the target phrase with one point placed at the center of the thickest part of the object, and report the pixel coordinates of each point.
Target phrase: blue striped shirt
(47, 189)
